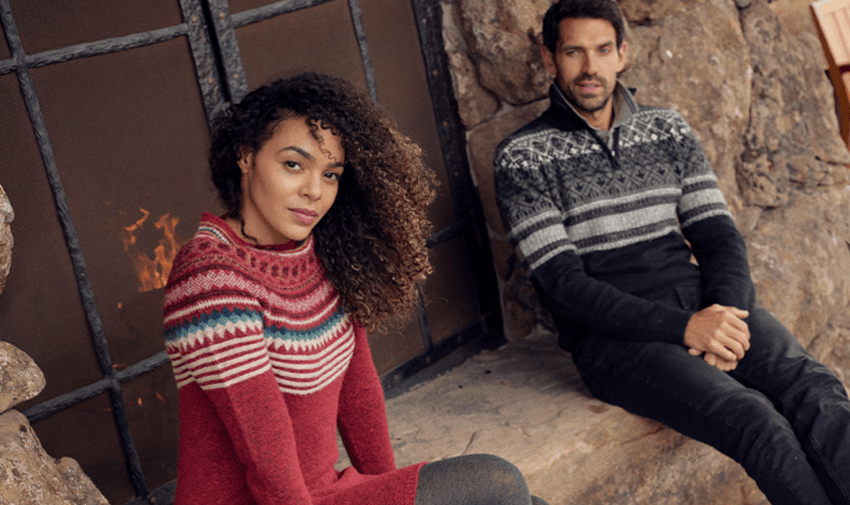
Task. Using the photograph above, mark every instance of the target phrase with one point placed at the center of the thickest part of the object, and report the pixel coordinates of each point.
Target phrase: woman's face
(290, 183)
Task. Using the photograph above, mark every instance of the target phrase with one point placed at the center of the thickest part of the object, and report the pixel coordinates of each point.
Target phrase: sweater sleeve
(535, 225)
(214, 336)
(362, 417)
(706, 222)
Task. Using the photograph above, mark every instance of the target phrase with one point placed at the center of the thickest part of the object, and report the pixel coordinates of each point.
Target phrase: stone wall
(28, 476)
(758, 98)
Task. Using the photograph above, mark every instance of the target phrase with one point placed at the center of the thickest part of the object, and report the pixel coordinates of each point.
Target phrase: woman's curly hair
(372, 240)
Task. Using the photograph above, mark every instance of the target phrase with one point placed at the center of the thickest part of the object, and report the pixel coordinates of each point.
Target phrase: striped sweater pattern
(233, 313)
(561, 189)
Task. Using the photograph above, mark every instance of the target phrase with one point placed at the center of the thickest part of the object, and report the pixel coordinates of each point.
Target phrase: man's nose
(591, 65)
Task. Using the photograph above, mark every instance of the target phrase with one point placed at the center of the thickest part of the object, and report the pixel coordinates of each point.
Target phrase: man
(599, 195)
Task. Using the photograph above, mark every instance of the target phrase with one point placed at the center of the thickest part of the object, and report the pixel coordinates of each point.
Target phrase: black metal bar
(454, 230)
(423, 323)
(204, 56)
(360, 32)
(163, 495)
(134, 464)
(243, 18)
(235, 82)
(98, 48)
(48, 408)
(106, 46)
(7, 66)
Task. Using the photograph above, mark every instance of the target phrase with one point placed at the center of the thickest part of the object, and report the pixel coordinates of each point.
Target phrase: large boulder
(20, 378)
(28, 476)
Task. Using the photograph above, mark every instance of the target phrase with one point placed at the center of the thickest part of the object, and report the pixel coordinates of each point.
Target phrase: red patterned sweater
(268, 365)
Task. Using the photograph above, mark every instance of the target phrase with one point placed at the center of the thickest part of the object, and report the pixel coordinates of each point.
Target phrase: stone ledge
(525, 402)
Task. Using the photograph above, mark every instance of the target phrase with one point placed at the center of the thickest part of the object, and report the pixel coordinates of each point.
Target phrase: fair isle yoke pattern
(559, 191)
(233, 312)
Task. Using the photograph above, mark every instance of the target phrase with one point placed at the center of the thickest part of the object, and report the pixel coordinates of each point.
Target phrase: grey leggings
(476, 479)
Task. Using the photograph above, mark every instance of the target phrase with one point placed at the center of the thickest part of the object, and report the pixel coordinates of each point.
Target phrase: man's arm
(720, 330)
(708, 226)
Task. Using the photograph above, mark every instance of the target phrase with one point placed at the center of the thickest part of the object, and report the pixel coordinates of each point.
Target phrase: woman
(266, 306)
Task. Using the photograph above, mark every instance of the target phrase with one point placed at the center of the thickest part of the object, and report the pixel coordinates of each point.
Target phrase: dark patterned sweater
(601, 229)
(268, 365)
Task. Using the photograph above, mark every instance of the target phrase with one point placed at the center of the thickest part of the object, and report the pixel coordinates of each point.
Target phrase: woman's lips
(305, 216)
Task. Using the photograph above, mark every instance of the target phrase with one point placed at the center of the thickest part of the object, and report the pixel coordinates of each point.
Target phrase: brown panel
(87, 433)
(401, 341)
(449, 299)
(152, 408)
(4, 49)
(391, 35)
(40, 308)
(51, 25)
(130, 138)
(320, 39)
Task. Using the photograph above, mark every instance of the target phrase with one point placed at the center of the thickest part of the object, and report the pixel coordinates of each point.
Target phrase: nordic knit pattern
(580, 212)
(561, 191)
(268, 365)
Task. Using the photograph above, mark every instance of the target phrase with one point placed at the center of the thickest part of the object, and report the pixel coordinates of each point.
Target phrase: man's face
(585, 64)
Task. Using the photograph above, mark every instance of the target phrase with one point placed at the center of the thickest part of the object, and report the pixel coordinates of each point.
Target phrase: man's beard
(589, 104)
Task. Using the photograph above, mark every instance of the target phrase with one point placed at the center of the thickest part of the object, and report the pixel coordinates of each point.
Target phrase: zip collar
(567, 118)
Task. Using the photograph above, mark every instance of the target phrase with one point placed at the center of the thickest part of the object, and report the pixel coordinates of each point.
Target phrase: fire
(153, 273)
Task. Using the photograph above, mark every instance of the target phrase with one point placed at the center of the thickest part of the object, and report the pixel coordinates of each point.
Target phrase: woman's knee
(477, 478)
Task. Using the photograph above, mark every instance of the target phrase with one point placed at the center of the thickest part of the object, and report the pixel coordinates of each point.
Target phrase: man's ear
(246, 159)
(549, 60)
(622, 57)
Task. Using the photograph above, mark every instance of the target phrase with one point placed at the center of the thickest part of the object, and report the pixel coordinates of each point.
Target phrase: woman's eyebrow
(300, 151)
(309, 156)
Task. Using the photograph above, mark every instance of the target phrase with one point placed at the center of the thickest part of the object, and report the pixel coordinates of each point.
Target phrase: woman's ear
(246, 159)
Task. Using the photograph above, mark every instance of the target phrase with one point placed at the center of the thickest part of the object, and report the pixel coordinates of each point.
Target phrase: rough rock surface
(28, 476)
(501, 38)
(526, 403)
(6, 242)
(20, 378)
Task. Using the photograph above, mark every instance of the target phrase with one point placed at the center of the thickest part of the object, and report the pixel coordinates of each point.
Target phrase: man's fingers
(728, 353)
(719, 363)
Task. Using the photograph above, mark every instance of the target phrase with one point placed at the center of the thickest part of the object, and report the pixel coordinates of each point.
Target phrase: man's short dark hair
(581, 9)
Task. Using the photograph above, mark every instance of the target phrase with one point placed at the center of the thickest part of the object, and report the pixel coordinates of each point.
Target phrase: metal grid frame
(210, 30)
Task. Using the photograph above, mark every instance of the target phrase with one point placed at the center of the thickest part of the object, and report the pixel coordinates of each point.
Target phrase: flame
(153, 273)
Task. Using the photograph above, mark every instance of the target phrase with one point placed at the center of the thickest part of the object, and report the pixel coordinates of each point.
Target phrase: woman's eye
(333, 176)
(292, 165)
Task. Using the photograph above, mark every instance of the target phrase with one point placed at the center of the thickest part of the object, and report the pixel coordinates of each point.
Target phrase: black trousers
(781, 414)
